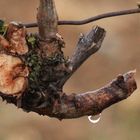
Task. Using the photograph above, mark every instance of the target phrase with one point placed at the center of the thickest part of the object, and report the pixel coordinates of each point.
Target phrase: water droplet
(94, 120)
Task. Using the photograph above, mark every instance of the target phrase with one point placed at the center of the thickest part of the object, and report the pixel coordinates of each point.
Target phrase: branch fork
(47, 69)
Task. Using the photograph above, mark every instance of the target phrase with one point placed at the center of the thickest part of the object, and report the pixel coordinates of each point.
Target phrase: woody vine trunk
(39, 69)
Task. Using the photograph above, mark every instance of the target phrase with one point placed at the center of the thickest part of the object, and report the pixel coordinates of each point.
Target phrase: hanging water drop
(94, 120)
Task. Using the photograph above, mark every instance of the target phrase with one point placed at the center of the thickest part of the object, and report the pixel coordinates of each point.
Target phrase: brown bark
(49, 70)
(93, 102)
(47, 19)
(89, 103)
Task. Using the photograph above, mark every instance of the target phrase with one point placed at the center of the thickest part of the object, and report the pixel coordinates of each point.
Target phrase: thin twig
(92, 19)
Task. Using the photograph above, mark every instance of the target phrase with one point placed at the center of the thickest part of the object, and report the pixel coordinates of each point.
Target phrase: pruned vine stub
(34, 69)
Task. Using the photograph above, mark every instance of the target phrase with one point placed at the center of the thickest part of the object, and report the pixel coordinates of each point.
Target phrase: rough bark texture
(47, 19)
(93, 102)
(49, 69)
(87, 45)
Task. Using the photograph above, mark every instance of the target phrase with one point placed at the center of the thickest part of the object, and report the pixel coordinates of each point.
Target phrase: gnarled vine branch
(38, 62)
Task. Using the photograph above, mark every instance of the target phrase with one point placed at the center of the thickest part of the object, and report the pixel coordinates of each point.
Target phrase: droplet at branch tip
(94, 121)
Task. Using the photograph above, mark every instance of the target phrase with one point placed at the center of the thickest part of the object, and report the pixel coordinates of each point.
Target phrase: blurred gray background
(120, 53)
